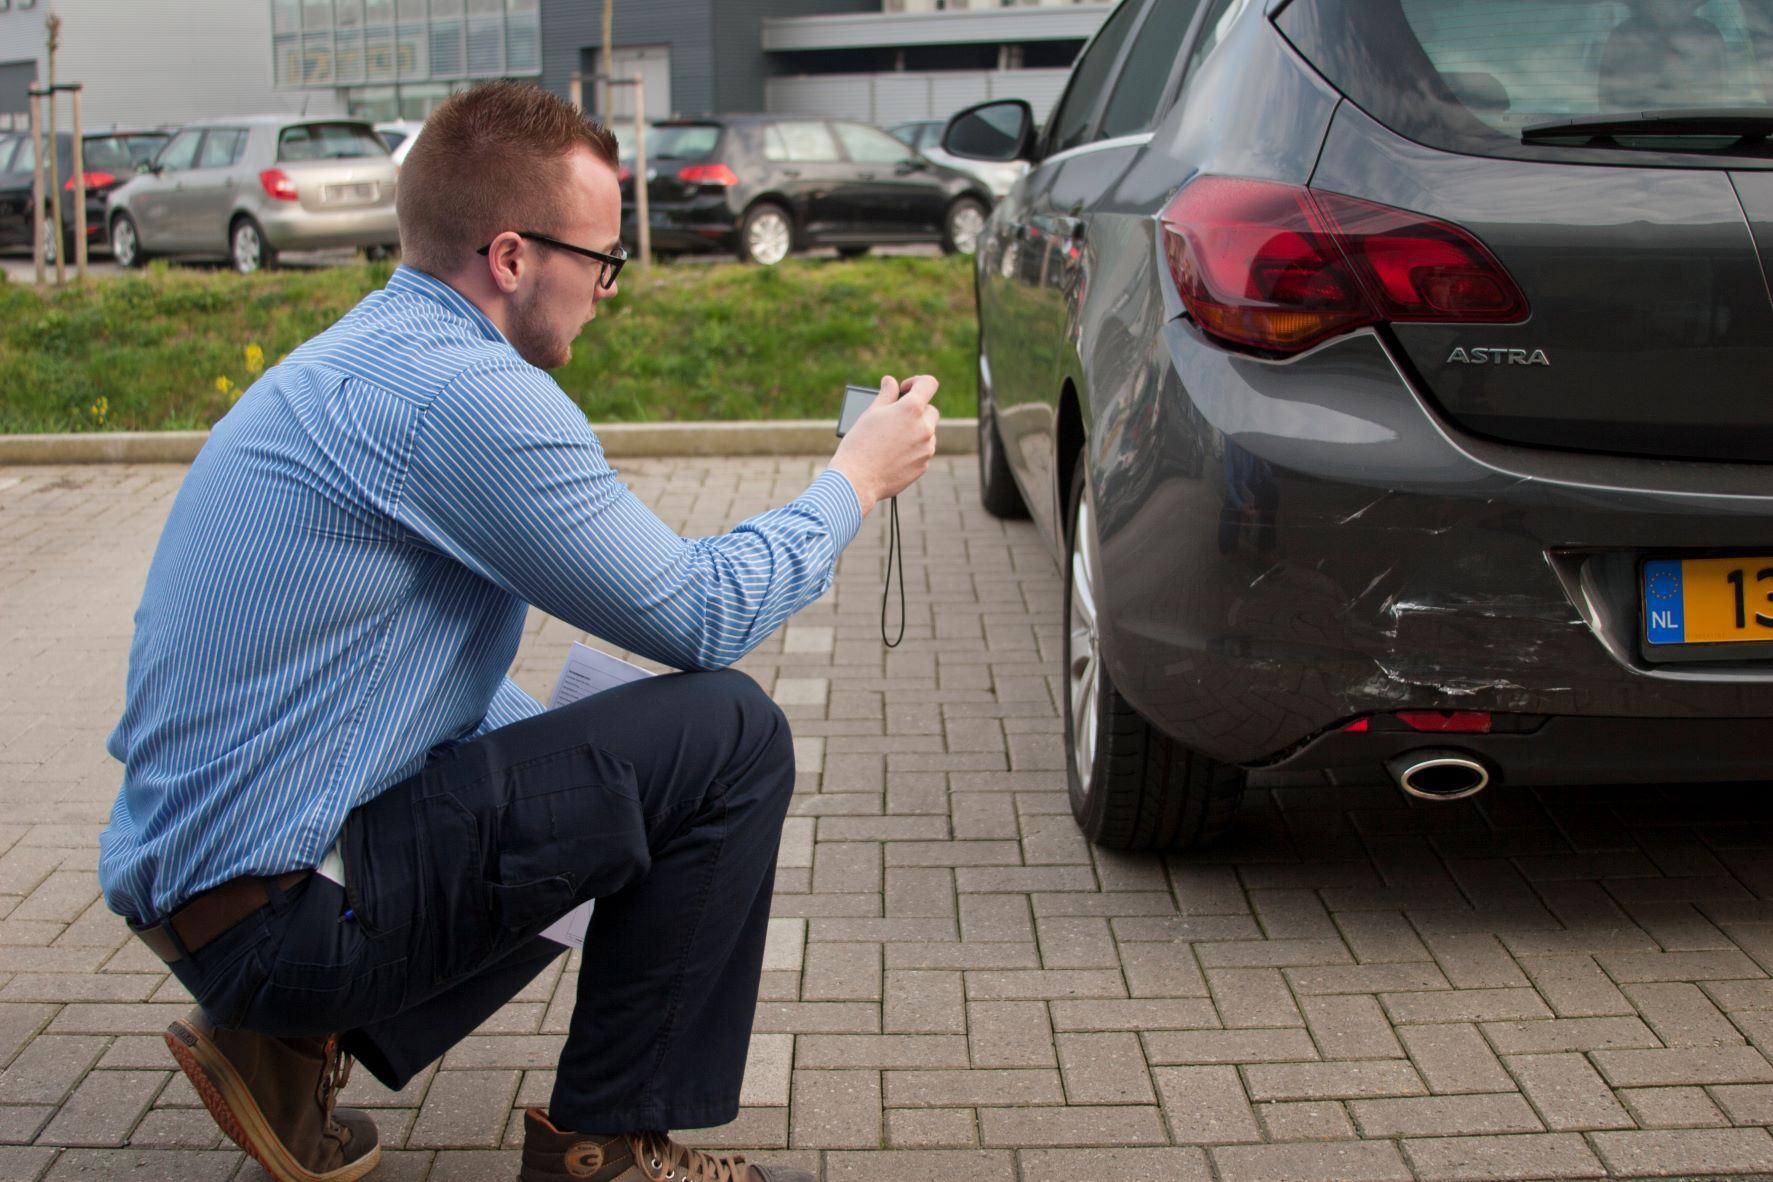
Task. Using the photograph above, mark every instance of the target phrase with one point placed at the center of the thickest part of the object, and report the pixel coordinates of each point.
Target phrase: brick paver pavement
(1562, 984)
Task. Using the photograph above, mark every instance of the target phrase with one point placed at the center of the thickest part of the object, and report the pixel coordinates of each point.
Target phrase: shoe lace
(335, 1073)
(681, 1162)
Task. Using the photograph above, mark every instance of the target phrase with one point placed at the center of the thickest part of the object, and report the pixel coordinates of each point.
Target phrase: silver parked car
(252, 187)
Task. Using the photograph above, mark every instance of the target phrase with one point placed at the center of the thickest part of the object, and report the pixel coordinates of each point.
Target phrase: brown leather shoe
(274, 1098)
(554, 1155)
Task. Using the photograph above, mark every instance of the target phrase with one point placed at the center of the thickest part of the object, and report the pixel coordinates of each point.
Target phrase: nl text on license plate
(1708, 600)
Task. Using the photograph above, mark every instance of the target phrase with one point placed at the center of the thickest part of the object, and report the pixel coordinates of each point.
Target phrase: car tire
(1131, 786)
(997, 486)
(247, 249)
(51, 248)
(126, 243)
(766, 235)
(962, 224)
(853, 252)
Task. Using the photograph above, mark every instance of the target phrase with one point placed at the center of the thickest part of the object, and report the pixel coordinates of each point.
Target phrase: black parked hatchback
(110, 158)
(1394, 381)
(765, 186)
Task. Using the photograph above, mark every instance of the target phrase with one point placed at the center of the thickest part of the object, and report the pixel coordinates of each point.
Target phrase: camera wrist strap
(895, 549)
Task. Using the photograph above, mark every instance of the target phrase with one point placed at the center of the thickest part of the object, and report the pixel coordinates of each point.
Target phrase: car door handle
(791, 173)
(865, 176)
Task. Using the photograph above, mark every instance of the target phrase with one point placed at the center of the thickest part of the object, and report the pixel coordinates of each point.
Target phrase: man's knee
(765, 739)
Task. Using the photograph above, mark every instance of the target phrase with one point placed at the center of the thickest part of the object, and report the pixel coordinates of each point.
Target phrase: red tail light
(94, 180)
(624, 174)
(707, 174)
(1282, 267)
(277, 185)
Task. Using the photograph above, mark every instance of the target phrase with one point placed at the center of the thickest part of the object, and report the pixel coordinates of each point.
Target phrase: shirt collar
(408, 281)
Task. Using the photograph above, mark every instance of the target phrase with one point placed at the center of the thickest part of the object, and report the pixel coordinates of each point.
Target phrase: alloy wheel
(965, 225)
(123, 243)
(1084, 671)
(248, 249)
(767, 238)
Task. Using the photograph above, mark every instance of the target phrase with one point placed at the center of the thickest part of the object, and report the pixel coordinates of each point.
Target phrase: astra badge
(1463, 356)
(584, 1159)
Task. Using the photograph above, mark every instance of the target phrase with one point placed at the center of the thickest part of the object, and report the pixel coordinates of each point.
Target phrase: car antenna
(305, 99)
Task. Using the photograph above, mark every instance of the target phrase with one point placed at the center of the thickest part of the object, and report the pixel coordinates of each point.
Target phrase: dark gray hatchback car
(1394, 381)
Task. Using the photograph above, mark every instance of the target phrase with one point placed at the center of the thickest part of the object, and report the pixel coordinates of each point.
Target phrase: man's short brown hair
(490, 159)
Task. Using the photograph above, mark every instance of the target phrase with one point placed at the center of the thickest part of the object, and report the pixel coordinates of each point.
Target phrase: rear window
(328, 141)
(1470, 75)
(682, 141)
(108, 154)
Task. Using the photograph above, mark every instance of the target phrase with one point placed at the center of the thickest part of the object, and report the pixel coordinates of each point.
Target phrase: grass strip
(171, 348)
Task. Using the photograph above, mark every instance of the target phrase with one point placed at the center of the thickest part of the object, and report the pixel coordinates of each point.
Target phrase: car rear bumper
(295, 228)
(1292, 546)
(689, 227)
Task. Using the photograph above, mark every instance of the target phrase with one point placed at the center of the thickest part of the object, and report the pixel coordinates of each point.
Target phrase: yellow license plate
(1708, 600)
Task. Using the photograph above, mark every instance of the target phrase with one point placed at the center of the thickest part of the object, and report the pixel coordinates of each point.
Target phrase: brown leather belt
(211, 913)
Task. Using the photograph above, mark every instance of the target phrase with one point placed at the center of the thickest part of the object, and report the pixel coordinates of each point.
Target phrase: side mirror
(1000, 131)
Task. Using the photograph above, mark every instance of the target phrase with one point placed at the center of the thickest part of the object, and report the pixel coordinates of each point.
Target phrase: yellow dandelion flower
(223, 385)
(255, 359)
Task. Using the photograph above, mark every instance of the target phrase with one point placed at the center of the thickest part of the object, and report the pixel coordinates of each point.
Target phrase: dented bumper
(1292, 545)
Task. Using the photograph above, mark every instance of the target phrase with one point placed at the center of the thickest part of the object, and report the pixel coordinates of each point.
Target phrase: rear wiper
(1746, 123)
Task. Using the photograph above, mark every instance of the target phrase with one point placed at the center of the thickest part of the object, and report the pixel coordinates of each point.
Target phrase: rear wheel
(766, 236)
(53, 247)
(962, 226)
(1132, 787)
(126, 244)
(247, 248)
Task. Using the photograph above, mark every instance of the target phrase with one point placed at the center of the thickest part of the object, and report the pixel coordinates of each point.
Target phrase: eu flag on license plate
(1665, 620)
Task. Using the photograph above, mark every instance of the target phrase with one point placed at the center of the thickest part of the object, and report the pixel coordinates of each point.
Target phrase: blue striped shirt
(341, 586)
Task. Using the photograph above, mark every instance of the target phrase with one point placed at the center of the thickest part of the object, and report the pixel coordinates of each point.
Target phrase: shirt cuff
(835, 501)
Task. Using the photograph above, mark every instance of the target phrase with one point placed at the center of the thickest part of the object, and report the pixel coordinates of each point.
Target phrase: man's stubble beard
(532, 337)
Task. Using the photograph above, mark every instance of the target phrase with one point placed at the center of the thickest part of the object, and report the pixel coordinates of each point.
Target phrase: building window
(341, 42)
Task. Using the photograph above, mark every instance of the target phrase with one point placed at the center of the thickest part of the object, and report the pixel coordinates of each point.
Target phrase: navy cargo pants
(662, 799)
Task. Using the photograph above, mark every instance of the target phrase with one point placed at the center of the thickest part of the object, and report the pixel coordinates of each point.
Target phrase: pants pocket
(569, 826)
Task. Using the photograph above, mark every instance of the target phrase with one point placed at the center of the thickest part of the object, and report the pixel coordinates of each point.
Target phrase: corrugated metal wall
(740, 66)
(893, 98)
(572, 31)
(150, 63)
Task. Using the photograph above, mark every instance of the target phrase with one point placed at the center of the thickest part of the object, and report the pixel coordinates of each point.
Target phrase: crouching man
(340, 824)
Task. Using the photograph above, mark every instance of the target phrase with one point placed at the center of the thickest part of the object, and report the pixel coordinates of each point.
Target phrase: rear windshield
(682, 141)
(109, 154)
(1469, 75)
(328, 141)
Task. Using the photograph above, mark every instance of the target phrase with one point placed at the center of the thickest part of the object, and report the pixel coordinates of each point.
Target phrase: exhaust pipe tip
(1440, 775)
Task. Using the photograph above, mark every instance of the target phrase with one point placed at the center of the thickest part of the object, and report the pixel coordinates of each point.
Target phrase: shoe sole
(226, 1096)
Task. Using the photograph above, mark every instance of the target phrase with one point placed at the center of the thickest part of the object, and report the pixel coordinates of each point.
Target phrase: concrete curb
(791, 437)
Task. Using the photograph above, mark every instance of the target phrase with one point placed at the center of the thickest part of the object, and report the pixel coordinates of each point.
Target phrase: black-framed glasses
(612, 263)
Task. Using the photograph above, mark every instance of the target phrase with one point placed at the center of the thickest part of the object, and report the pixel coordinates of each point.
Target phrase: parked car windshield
(142, 146)
(1470, 76)
(682, 141)
(328, 141)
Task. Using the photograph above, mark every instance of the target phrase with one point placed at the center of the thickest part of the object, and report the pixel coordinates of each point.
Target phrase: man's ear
(505, 261)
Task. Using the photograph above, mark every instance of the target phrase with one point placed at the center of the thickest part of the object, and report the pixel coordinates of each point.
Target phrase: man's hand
(891, 443)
